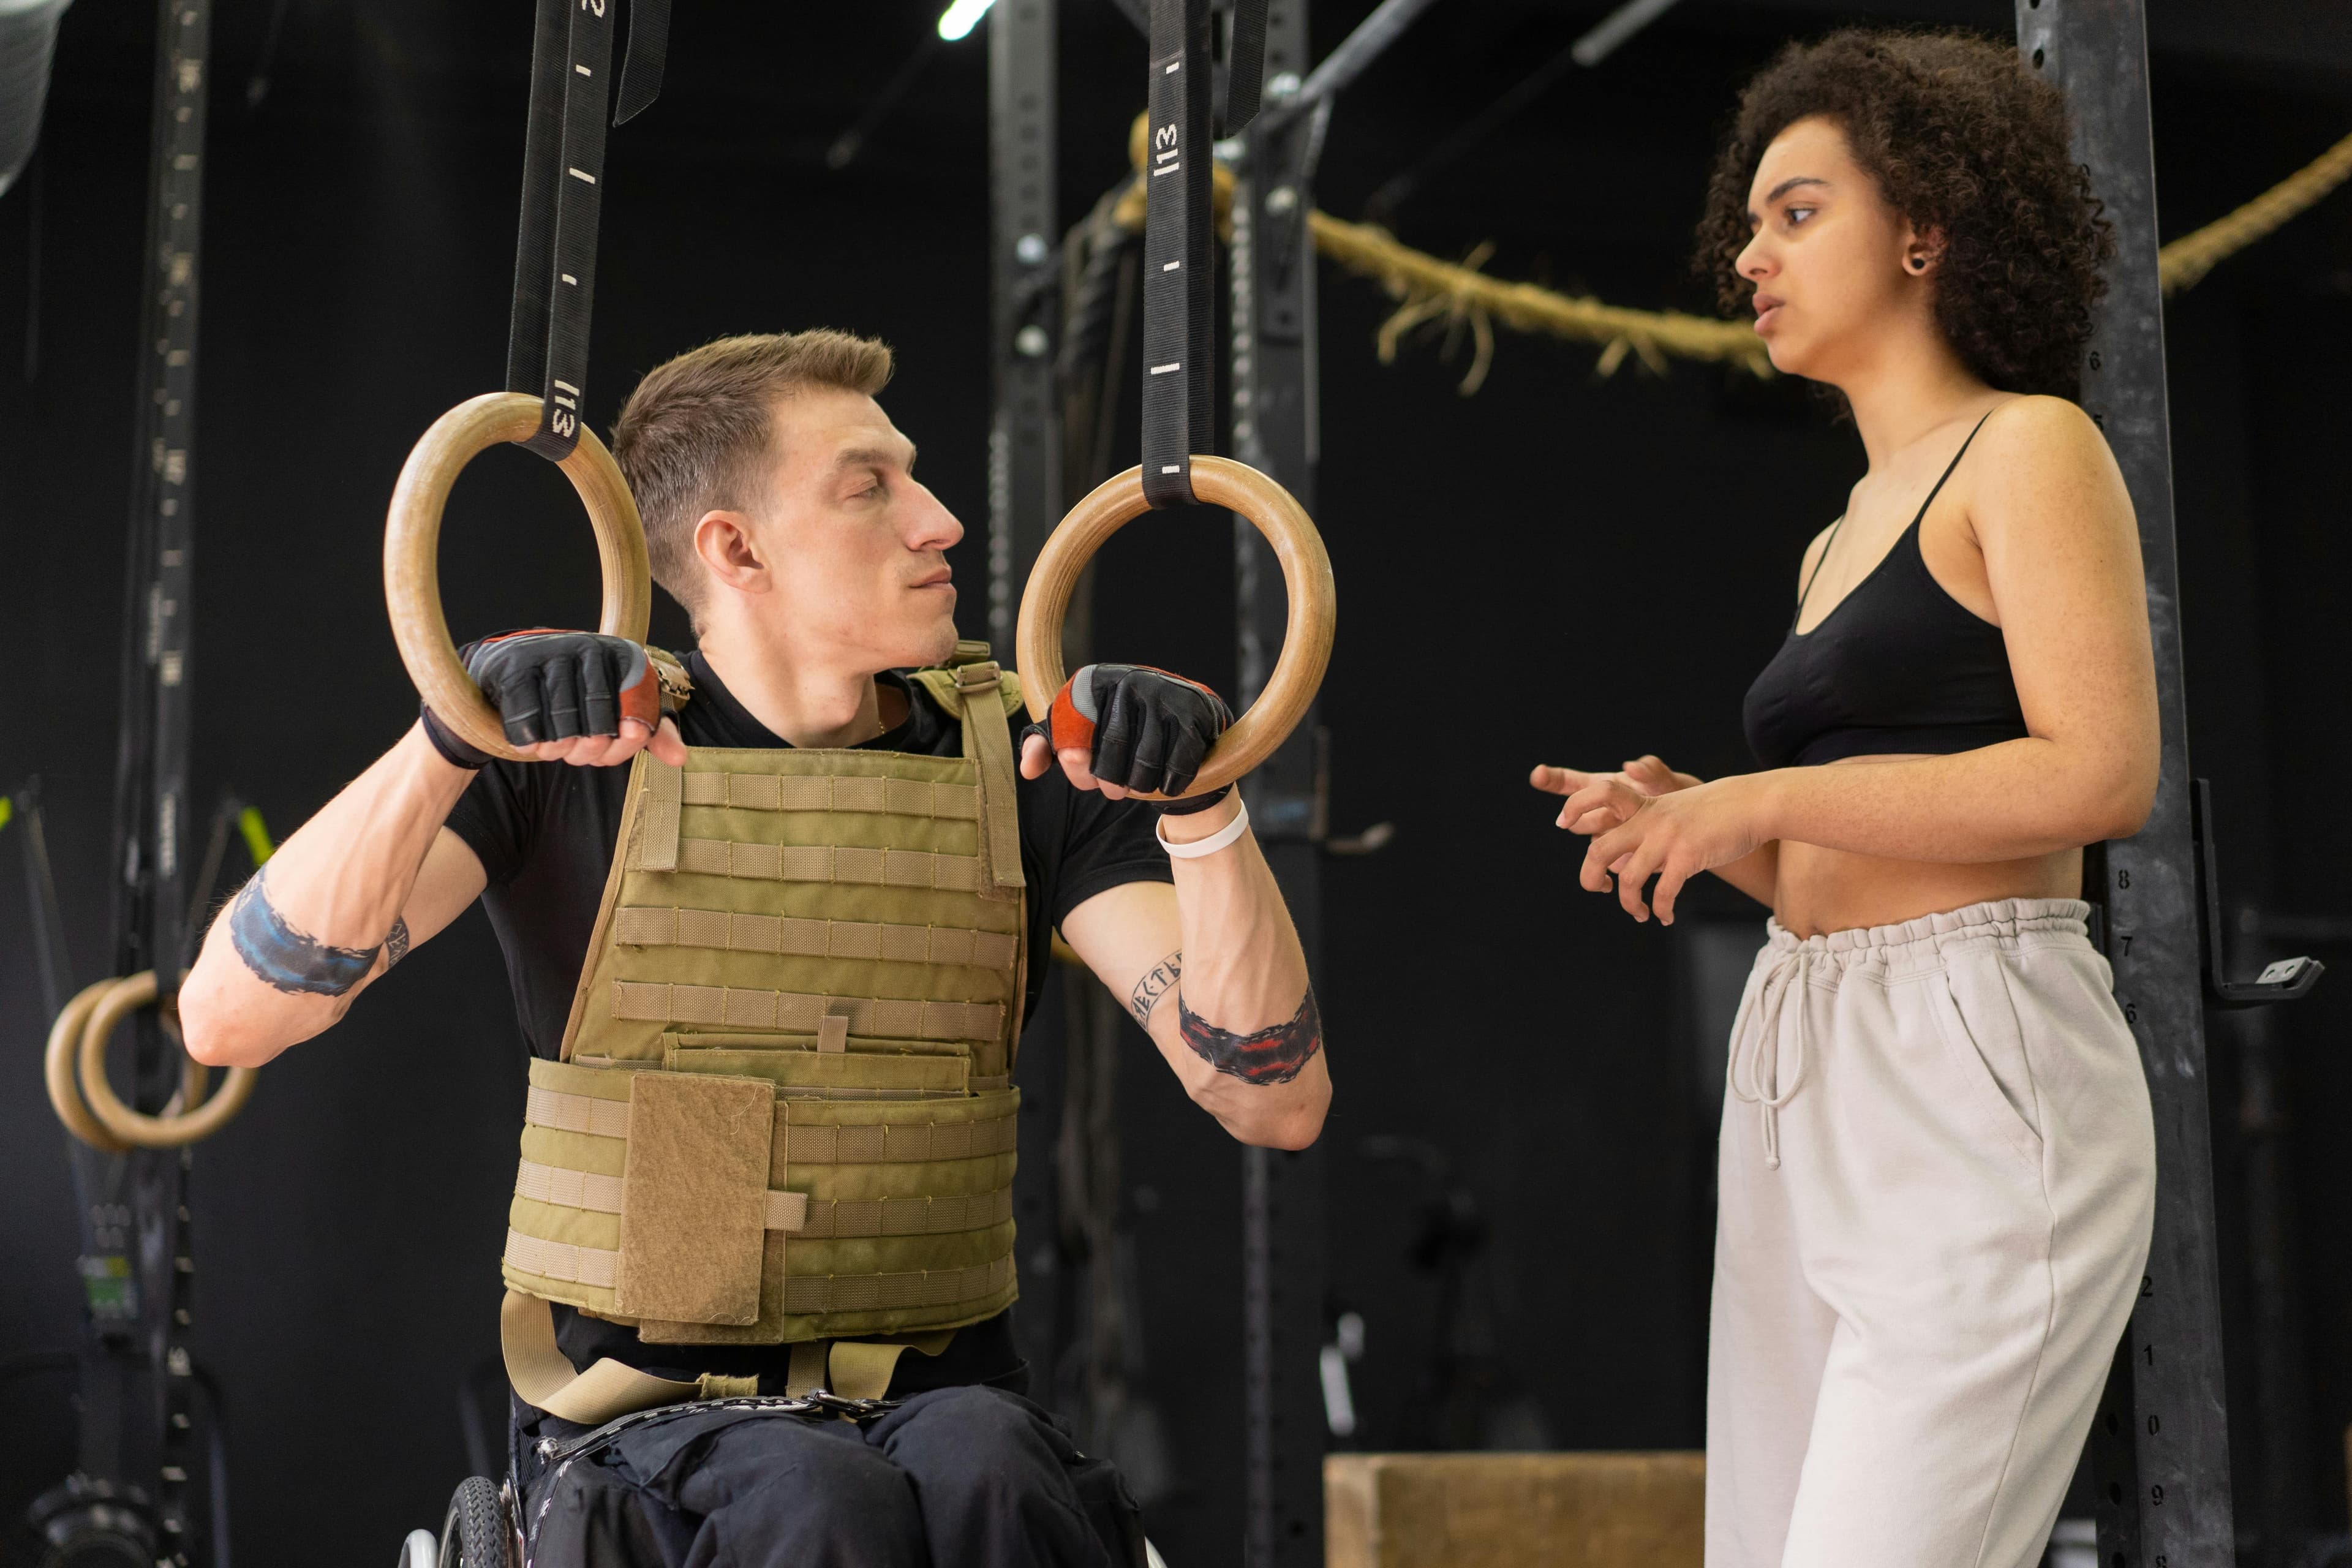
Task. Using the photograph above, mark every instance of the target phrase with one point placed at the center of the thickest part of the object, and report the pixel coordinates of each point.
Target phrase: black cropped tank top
(1900, 666)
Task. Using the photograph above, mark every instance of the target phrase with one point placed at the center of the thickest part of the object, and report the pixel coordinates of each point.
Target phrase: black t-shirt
(545, 833)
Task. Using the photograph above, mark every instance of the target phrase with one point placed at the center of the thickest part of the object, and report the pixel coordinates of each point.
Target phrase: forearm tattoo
(395, 943)
(1154, 986)
(1270, 1056)
(291, 960)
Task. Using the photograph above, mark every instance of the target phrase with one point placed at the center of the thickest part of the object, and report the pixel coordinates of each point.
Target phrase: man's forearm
(1238, 993)
(285, 959)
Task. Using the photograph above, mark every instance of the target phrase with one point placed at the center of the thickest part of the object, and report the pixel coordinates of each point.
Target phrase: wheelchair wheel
(476, 1534)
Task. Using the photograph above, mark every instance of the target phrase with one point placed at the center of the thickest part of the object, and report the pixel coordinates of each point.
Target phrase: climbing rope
(1428, 290)
(2183, 263)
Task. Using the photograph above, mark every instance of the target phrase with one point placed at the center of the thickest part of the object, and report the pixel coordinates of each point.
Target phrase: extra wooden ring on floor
(197, 1117)
(1305, 575)
(412, 538)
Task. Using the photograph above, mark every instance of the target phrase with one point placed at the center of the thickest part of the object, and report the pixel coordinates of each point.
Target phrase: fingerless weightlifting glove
(1142, 727)
(552, 686)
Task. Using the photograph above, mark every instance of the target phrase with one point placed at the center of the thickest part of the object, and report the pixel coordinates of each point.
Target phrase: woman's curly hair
(1960, 137)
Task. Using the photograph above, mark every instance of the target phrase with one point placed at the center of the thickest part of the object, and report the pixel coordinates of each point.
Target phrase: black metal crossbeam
(1357, 52)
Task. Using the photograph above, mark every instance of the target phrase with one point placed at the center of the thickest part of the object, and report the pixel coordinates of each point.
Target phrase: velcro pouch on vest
(694, 1198)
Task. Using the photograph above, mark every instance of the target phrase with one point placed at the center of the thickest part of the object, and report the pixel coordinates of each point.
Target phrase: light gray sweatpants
(1937, 1174)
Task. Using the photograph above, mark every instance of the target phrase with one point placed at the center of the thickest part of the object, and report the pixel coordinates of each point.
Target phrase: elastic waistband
(2001, 920)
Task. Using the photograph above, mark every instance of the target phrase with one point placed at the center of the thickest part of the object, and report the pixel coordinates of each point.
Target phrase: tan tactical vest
(784, 1110)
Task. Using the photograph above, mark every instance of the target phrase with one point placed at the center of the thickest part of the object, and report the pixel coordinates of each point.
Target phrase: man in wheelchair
(773, 915)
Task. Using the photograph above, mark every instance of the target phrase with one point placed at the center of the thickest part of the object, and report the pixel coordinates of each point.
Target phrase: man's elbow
(211, 1031)
(1288, 1127)
(205, 1031)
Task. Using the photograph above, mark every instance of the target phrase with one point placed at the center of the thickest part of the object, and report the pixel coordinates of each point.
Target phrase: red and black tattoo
(1273, 1055)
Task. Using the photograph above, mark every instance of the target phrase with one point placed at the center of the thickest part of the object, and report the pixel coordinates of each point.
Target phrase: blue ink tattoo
(290, 959)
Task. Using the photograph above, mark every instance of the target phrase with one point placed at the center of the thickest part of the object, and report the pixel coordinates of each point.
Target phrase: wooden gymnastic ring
(412, 539)
(1306, 577)
(115, 1001)
(57, 1068)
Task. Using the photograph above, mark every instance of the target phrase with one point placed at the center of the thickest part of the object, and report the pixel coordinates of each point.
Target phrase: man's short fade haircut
(700, 432)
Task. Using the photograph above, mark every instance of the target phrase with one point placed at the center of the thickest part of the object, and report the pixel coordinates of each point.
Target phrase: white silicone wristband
(1220, 839)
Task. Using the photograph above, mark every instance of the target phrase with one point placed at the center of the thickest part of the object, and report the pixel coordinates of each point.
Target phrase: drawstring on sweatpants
(1788, 977)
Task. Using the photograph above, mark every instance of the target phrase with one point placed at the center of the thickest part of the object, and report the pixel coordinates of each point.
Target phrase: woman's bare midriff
(1819, 890)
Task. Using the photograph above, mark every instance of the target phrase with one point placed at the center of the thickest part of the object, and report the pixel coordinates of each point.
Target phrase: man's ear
(730, 550)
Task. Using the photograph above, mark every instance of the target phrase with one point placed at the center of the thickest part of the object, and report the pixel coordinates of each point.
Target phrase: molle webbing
(812, 938)
(786, 792)
(800, 1013)
(587, 1190)
(786, 1210)
(825, 1143)
(804, 1296)
(824, 863)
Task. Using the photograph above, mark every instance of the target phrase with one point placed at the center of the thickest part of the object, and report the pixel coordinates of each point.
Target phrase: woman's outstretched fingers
(1602, 802)
(1671, 877)
(1557, 781)
(1635, 876)
(1650, 773)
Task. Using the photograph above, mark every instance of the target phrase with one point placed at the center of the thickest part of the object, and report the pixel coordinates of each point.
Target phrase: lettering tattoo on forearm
(395, 944)
(1153, 986)
(1270, 1056)
(290, 959)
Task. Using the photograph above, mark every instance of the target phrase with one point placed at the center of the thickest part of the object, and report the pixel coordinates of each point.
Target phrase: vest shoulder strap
(946, 682)
(670, 674)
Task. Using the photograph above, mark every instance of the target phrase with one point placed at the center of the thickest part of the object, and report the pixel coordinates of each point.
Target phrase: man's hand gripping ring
(1305, 574)
(412, 538)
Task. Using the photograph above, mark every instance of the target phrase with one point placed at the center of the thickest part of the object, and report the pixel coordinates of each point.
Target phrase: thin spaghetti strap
(1807, 591)
(1948, 468)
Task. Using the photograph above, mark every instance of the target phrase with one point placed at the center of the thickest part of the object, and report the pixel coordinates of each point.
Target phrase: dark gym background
(1560, 568)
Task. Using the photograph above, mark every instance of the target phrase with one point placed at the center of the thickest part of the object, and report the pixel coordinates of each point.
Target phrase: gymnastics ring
(189, 1119)
(1306, 577)
(412, 538)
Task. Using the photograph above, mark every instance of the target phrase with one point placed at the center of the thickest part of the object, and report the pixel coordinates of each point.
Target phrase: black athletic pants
(955, 1477)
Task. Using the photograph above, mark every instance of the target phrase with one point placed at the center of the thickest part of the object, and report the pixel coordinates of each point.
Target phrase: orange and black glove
(1142, 728)
(551, 685)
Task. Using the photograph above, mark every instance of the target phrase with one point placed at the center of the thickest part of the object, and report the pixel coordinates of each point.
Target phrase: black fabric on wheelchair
(954, 1477)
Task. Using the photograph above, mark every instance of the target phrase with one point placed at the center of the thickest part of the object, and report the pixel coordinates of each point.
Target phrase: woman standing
(1937, 1168)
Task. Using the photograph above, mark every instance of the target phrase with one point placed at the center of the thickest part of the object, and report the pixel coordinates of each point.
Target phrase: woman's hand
(1672, 835)
(1646, 775)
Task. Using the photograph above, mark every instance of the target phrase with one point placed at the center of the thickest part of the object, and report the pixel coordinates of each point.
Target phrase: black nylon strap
(641, 69)
(1178, 268)
(563, 189)
(1241, 76)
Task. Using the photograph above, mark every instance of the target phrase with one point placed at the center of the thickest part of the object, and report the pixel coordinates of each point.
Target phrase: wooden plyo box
(1515, 1511)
